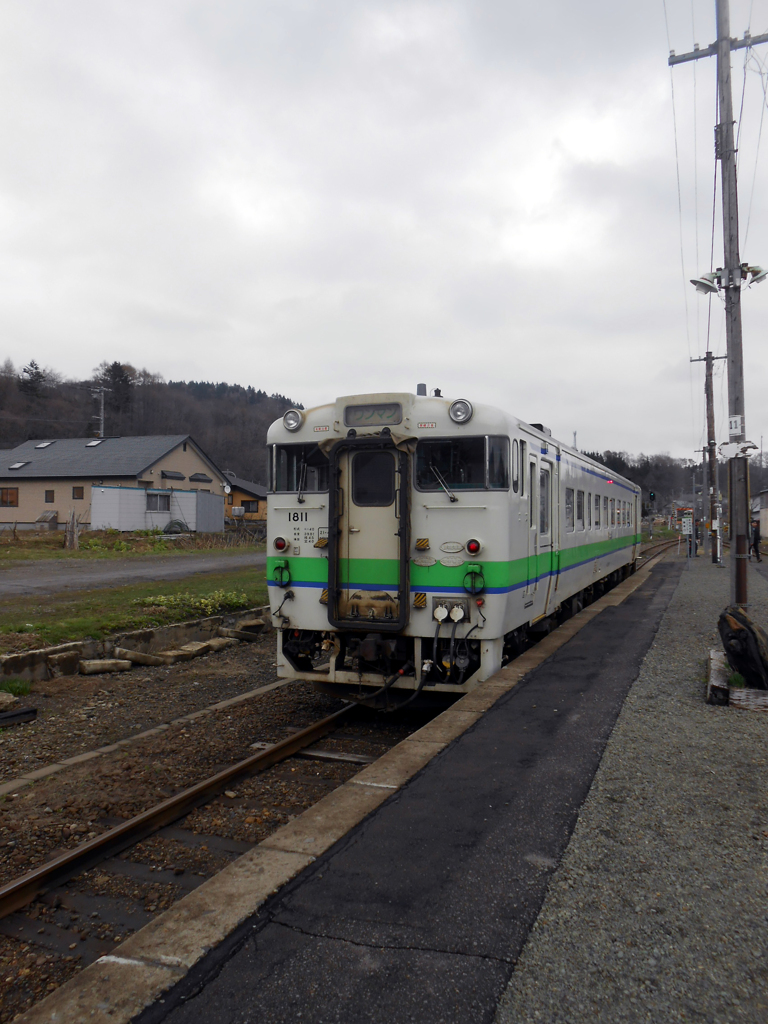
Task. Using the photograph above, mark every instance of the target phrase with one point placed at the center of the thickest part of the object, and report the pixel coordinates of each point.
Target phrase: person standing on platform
(755, 545)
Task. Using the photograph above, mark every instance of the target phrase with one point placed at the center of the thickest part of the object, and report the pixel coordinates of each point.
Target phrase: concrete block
(7, 701)
(95, 667)
(171, 657)
(32, 665)
(237, 634)
(197, 647)
(137, 657)
(65, 664)
(323, 824)
(220, 643)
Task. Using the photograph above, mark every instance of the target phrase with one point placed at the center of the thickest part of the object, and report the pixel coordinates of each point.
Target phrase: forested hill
(228, 421)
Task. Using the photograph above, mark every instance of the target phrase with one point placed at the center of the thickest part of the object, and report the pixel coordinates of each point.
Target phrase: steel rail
(21, 891)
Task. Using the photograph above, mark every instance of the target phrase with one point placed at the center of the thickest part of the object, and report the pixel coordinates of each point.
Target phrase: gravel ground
(658, 909)
(80, 713)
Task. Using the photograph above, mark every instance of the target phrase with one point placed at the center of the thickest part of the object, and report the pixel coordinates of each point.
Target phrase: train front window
(458, 462)
(300, 467)
(466, 463)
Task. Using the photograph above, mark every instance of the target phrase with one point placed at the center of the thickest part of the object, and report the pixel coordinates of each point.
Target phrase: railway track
(82, 903)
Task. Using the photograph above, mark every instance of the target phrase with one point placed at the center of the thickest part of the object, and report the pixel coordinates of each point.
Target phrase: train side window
(589, 510)
(605, 512)
(613, 511)
(515, 466)
(623, 513)
(569, 510)
(523, 447)
(597, 511)
(498, 463)
(544, 501)
(579, 510)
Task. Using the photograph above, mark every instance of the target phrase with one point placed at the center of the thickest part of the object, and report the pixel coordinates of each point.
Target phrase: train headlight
(460, 411)
(280, 543)
(293, 419)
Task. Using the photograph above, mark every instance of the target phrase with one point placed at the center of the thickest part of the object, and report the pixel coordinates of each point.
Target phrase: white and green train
(416, 544)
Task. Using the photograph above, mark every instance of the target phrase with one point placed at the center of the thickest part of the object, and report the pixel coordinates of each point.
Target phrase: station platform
(550, 864)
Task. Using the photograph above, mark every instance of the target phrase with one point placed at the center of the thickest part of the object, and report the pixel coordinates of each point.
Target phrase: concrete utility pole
(729, 279)
(711, 451)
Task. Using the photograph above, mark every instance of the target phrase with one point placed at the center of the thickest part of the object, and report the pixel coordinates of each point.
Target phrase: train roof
(418, 416)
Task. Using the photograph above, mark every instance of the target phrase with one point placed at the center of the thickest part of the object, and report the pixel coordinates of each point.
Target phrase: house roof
(248, 486)
(82, 457)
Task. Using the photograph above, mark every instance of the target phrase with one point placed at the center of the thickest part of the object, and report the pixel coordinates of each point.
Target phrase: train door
(546, 562)
(368, 538)
(532, 488)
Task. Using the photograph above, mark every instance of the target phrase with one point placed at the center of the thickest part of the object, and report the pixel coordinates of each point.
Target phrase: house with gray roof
(123, 483)
(248, 495)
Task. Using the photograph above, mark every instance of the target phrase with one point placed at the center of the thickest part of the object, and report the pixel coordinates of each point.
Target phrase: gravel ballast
(658, 910)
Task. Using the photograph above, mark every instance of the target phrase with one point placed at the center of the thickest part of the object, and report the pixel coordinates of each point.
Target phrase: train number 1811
(297, 517)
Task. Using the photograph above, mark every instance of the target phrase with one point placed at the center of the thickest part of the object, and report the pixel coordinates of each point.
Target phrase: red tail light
(473, 546)
(280, 543)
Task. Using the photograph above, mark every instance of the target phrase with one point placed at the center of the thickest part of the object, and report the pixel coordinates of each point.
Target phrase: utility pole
(100, 392)
(711, 451)
(729, 278)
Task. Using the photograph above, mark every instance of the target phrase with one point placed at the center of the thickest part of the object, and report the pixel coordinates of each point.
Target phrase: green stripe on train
(383, 572)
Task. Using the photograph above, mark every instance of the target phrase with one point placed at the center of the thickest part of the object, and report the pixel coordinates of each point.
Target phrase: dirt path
(59, 574)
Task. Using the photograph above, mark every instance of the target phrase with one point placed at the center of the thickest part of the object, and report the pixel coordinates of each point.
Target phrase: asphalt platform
(420, 912)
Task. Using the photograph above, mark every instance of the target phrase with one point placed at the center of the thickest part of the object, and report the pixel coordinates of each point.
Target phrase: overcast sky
(325, 197)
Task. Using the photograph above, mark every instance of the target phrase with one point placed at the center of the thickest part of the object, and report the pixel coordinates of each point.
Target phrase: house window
(9, 497)
(230, 499)
(49, 495)
(77, 493)
(158, 503)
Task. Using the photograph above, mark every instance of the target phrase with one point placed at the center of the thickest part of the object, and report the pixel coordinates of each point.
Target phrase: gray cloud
(333, 198)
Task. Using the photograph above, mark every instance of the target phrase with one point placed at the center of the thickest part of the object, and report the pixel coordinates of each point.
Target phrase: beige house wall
(32, 492)
(186, 462)
(32, 499)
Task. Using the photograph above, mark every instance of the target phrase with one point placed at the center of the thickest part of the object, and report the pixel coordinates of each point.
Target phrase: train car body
(415, 543)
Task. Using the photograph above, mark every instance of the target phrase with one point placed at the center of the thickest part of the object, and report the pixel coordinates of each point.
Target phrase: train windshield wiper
(302, 481)
(441, 480)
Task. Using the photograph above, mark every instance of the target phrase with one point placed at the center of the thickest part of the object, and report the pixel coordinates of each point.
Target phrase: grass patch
(659, 533)
(737, 681)
(190, 606)
(18, 687)
(29, 545)
(35, 621)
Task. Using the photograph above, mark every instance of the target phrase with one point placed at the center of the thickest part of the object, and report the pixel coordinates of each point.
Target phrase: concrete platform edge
(117, 988)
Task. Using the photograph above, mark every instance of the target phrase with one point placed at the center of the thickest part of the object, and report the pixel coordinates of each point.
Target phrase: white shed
(139, 508)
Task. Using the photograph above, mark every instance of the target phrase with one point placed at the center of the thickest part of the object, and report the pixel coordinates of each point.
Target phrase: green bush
(187, 604)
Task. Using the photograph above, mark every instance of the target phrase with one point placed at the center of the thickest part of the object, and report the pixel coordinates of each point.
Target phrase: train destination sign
(385, 414)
